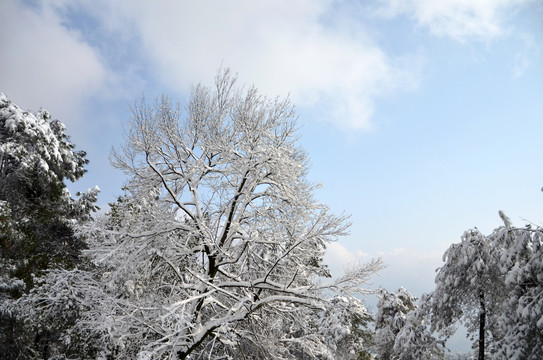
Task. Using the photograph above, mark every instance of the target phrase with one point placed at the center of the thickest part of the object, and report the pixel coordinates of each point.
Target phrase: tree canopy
(400, 331)
(493, 284)
(217, 243)
(37, 212)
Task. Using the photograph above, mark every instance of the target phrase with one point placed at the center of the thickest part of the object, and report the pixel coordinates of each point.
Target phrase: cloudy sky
(422, 118)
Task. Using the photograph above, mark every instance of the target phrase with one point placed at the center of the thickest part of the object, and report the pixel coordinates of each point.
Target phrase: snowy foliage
(469, 288)
(414, 340)
(36, 208)
(344, 327)
(34, 145)
(400, 332)
(53, 311)
(494, 284)
(216, 248)
(37, 213)
(521, 321)
(36, 158)
(391, 316)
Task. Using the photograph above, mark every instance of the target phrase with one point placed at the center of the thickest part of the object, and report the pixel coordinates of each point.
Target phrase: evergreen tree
(469, 289)
(521, 320)
(37, 212)
(400, 331)
(494, 285)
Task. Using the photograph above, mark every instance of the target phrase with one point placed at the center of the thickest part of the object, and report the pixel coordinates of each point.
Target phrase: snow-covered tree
(521, 320)
(469, 289)
(414, 340)
(344, 325)
(36, 158)
(459, 356)
(400, 332)
(494, 284)
(392, 310)
(37, 212)
(216, 248)
(340, 330)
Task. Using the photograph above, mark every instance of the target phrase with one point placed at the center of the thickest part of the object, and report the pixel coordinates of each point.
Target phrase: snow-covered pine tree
(36, 210)
(494, 284)
(400, 331)
(392, 310)
(469, 289)
(521, 321)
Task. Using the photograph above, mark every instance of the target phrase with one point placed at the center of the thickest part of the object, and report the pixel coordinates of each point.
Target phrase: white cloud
(44, 64)
(283, 47)
(328, 65)
(413, 259)
(339, 258)
(523, 58)
(411, 268)
(460, 20)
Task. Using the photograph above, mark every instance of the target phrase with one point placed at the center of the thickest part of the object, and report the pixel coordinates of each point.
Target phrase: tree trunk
(482, 321)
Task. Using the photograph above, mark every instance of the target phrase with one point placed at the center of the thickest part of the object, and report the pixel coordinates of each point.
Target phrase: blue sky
(422, 118)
